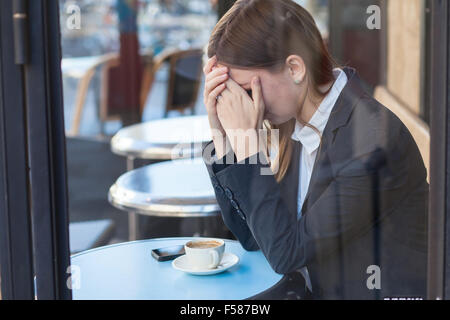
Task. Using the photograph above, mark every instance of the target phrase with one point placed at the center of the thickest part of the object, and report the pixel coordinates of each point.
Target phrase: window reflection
(133, 62)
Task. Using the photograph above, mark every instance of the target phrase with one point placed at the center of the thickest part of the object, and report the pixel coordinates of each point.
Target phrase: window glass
(351, 198)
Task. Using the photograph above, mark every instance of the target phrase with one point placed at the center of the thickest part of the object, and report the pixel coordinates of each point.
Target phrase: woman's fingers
(212, 97)
(209, 64)
(257, 93)
(212, 83)
(211, 86)
(233, 86)
(258, 100)
(232, 91)
(215, 80)
(216, 72)
(211, 73)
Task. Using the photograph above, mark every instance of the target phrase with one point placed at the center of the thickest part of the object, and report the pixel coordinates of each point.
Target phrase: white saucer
(228, 260)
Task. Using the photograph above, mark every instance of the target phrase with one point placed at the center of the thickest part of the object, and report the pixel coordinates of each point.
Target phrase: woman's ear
(297, 68)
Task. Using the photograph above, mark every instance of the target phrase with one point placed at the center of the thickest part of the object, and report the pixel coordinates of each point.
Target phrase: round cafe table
(179, 188)
(164, 139)
(128, 271)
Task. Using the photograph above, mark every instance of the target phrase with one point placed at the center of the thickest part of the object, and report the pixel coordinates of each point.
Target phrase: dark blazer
(366, 206)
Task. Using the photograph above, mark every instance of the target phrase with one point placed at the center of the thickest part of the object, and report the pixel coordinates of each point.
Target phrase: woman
(346, 204)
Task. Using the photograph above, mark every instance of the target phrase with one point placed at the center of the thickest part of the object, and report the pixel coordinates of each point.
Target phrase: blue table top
(128, 271)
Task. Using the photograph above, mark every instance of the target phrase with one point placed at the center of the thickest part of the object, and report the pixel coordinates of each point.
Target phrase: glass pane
(336, 201)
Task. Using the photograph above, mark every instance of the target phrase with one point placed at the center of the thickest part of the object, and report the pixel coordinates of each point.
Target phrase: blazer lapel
(321, 176)
(322, 173)
(289, 184)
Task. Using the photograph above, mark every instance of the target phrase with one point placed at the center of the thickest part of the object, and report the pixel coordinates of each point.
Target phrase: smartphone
(168, 253)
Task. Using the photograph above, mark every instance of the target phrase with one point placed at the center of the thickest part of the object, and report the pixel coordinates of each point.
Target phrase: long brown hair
(261, 34)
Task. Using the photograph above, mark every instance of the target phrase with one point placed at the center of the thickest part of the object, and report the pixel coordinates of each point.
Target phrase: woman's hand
(242, 117)
(214, 85)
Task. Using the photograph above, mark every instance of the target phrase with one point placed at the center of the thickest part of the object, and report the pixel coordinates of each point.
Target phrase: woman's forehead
(242, 76)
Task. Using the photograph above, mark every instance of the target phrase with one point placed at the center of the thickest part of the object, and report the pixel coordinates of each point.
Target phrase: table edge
(175, 211)
(279, 282)
(144, 240)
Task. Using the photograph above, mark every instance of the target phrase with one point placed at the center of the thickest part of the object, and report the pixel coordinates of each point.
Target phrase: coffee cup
(205, 253)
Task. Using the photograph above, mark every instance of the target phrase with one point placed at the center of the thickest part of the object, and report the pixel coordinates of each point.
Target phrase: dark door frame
(16, 257)
(438, 98)
(34, 240)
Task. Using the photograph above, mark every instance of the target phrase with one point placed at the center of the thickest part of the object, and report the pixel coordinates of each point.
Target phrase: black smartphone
(168, 253)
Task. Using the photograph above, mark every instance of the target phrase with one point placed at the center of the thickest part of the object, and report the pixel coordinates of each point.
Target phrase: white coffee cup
(204, 253)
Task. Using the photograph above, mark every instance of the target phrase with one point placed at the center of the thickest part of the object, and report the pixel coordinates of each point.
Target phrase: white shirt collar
(306, 135)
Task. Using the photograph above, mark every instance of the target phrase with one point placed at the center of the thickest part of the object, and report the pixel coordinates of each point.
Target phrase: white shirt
(310, 141)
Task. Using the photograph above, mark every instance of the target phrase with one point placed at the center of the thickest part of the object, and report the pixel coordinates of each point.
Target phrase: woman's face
(281, 96)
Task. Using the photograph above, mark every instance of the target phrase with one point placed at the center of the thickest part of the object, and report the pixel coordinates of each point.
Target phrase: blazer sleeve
(344, 210)
(231, 213)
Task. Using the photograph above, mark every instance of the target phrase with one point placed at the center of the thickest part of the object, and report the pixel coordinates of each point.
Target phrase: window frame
(34, 242)
(438, 285)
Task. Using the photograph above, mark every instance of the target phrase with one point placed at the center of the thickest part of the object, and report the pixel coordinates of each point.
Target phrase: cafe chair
(105, 93)
(185, 72)
(82, 90)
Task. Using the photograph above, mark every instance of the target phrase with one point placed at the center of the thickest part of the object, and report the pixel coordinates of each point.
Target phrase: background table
(164, 139)
(179, 188)
(128, 271)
